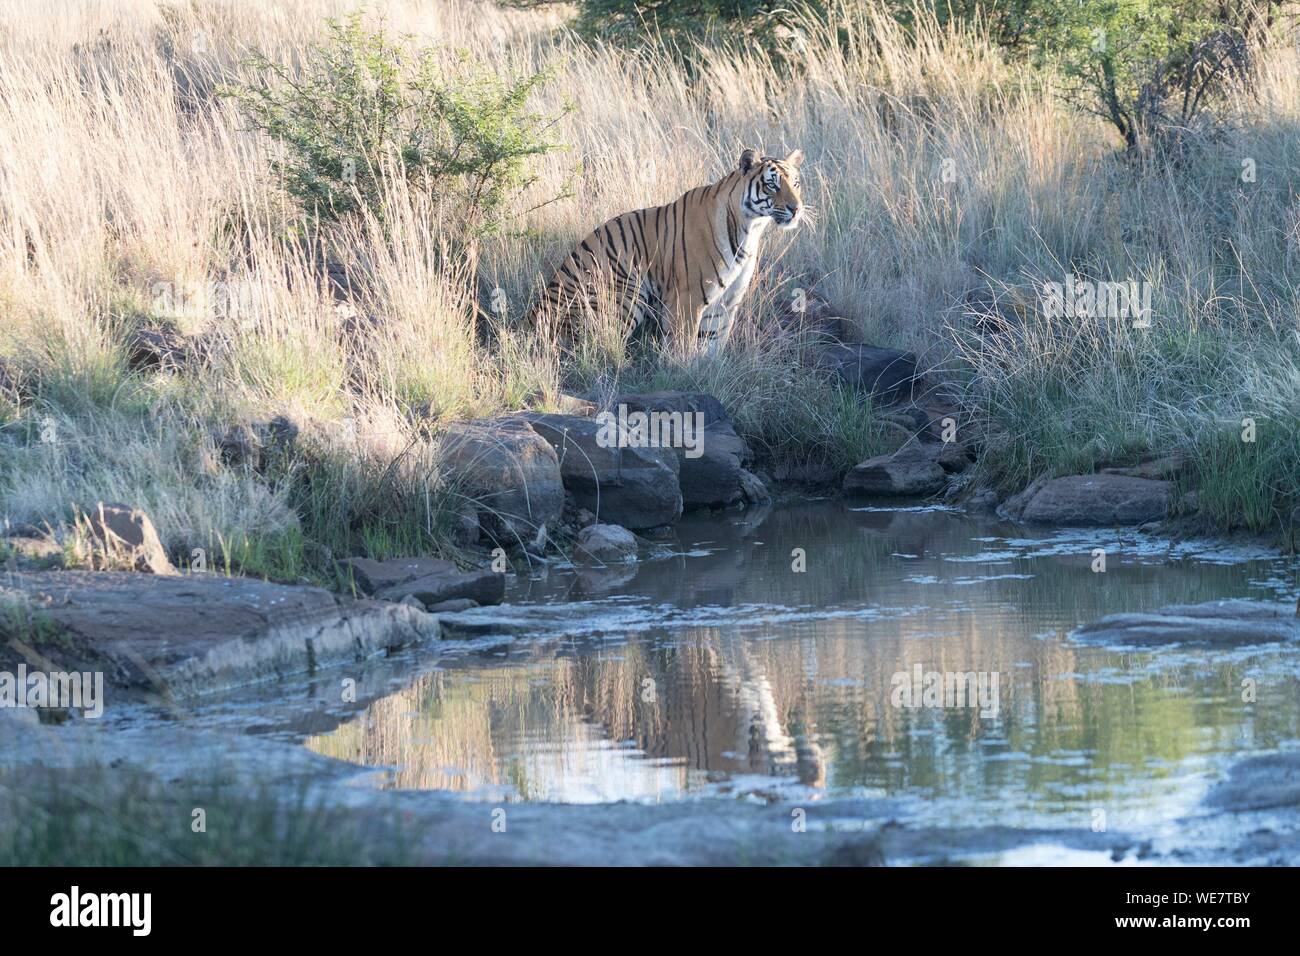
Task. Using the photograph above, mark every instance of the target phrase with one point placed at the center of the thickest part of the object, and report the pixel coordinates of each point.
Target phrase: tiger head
(772, 188)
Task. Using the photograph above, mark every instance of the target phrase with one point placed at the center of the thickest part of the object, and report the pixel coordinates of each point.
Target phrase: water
(717, 669)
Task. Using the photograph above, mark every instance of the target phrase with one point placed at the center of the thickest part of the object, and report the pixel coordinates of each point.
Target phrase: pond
(786, 654)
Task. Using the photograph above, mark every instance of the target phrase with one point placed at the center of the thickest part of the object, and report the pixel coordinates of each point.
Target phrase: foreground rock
(1090, 501)
(605, 544)
(183, 635)
(122, 534)
(510, 472)
(887, 374)
(28, 548)
(604, 471)
(711, 457)
(1222, 623)
(429, 580)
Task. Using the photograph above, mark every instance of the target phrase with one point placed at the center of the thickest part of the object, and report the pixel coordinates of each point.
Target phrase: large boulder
(192, 634)
(510, 472)
(604, 471)
(1214, 622)
(429, 580)
(914, 470)
(122, 535)
(711, 463)
(887, 374)
(1090, 501)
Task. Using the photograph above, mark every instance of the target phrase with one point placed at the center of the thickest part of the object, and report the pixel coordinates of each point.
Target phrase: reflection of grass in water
(832, 677)
(92, 818)
(470, 722)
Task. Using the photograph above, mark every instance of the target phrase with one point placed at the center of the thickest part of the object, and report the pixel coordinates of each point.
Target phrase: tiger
(684, 266)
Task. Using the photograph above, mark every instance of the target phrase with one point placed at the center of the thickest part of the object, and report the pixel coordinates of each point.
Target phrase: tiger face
(773, 189)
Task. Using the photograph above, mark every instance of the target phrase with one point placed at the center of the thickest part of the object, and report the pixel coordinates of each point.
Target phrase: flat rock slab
(1090, 501)
(194, 634)
(1216, 622)
(431, 580)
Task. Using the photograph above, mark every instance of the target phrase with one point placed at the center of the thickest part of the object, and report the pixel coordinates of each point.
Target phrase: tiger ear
(747, 160)
(795, 159)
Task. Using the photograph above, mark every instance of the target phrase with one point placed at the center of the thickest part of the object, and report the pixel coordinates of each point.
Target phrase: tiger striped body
(684, 266)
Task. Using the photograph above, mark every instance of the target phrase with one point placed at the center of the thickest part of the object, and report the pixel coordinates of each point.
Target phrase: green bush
(366, 107)
(1149, 67)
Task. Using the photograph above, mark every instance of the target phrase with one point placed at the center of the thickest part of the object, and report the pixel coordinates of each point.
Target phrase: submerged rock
(1090, 501)
(1266, 782)
(454, 606)
(605, 544)
(192, 634)
(1214, 622)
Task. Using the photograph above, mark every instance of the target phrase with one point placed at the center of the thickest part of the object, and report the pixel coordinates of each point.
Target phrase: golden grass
(127, 185)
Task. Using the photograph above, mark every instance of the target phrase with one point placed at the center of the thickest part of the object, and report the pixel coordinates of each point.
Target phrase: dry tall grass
(939, 172)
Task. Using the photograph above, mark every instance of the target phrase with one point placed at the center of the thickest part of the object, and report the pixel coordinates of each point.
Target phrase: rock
(1163, 466)
(156, 349)
(430, 580)
(412, 601)
(1090, 501)
(510, 472)
(753, 488)
(912, 471)
(808, 311)
(692, 403)
(240, 446)
(194, 634)
(1265, 782)
(952, 456)
(454, 606)
(280, 431)
(1222, 623)
(710, 470)
(574, 405)
(888, 374)
(35, 550)
(605, 544)
(634, 487)
(983, 502)
(122, 533)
